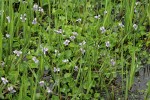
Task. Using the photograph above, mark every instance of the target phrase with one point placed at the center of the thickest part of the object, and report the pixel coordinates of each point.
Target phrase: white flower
(105, 12)
(34, 21)
(135, 11)
(41, 9)
(72, 38)
(97, 17)
(44, 50)
(35, 60)
(24, 2)
(2, 63)
(121, 25)
(82, 50)
(66, 42)
(75, 33)
(79, 20)
(82, 43)
(65, 60)
(107, 44)
(48, 90)
(11, 89)
(76, 68)
(8, 19)
(4, 80)
(35, 7)
(56, 69)
(41, 83)
(137, 3)
(7, 35)
(112, 61)
(135, 26)
(23, 17)
(56, 51)
(59, 31)
(18, 53)
(103, 30)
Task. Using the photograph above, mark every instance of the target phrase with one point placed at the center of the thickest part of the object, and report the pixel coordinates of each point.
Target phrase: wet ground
(140, 83)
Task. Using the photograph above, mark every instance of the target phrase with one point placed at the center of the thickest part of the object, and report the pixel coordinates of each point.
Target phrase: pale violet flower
(75, 33)
(121, 25)
(135, 11)
(97, 17)
(59, 31)
(35, 7)
(18, 53)
(35, 60)
(82, 43)
(76, 68)
(56, 69)
(11, 89)
(112, 61)
(23, 17)
(103, 30)
(41, 83)
(79, 20)
(66, 42)
(7, 35)
(56, 51)
(135, 26)
(65, 60)
(8, 19)
(2, 63)
(34, 21)
(48, 90)
(44, 50)
(4, 80)
(82, 50)
(41, 9)
(105, 12)
(107, 44)
(137, 3)
(72, 38)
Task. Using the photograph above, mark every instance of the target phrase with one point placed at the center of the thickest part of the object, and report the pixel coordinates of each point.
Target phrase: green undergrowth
(72, 49)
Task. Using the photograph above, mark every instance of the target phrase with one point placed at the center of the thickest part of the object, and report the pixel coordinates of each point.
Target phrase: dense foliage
(73, 49)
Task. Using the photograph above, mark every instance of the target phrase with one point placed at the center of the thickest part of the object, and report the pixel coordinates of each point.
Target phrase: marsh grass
(84, 66)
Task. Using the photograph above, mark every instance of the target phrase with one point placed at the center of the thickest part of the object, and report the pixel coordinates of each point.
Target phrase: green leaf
(67, 75)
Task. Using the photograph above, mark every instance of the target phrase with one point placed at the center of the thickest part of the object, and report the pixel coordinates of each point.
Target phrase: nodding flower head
(121, 25)
(35, 60)
(112, 61)
(103, 30)
(18, 53)
(107, 44)
(23, 17)
(41, 83)
(66, 42)
(65, 60)
(4, 80)
(34, 21)
(56, 69)
(11, 89)
(135, 26)
(49, 90)
(97, 17)
(79, 20)
(35, 7)
(8, 19)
